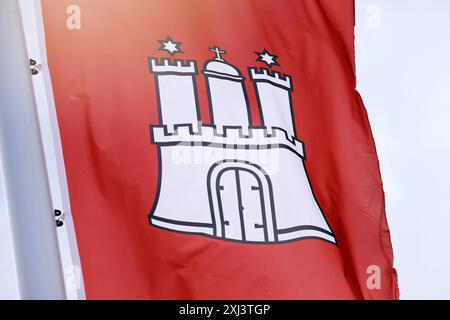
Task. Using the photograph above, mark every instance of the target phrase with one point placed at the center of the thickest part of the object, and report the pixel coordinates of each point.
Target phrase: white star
(267, 58)
(173, 47)
(170, 46)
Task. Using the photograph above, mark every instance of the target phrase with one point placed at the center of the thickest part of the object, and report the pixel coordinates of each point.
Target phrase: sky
(403, 73)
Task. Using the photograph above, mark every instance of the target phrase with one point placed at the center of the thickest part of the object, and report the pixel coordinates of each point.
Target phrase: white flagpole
(35, 40)
(28, 198)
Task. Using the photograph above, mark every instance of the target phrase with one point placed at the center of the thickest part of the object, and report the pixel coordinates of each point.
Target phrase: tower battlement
(234, 137)
(166, 65)
(273, 77)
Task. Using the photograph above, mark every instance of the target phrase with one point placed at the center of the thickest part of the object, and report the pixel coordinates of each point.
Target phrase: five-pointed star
(266, 57)
(172, 47)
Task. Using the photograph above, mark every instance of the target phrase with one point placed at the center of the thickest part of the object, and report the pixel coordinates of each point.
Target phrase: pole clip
(35, 67)
(59, 217)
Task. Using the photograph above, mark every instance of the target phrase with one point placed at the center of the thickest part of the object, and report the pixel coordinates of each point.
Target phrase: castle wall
(184, 186)
(183, 192)
(294, 200)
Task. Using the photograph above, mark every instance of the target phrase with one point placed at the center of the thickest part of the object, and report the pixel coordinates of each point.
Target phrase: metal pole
(28, 198)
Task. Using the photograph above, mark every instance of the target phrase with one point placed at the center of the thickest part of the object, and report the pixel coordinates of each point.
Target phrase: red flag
(218, 149)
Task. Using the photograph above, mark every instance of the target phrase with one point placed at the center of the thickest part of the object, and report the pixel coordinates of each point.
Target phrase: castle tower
(176, 91)
(273, 92)
(226, 93)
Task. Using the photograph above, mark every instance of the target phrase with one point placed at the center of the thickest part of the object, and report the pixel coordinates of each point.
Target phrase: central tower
(227, 97)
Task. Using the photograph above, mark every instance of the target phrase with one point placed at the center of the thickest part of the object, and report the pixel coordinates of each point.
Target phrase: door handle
(226, 222)
(259, 226)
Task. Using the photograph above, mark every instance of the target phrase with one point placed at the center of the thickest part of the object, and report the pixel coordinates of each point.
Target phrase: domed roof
(222, 69)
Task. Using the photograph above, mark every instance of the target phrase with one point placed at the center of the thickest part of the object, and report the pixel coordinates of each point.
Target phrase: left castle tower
(176, 90)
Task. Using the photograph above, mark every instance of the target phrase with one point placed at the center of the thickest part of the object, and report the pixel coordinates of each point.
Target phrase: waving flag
(218, 150)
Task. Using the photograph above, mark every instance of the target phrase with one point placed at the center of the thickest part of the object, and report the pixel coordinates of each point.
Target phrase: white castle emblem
(231, 180)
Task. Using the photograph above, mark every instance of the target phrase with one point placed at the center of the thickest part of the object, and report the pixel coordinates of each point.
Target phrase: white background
(403, 68)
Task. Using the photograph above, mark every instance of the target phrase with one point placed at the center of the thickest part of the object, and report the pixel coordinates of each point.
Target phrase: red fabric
(105, 99)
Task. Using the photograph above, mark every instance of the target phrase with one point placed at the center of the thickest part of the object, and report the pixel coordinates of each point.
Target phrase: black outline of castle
(232, 197)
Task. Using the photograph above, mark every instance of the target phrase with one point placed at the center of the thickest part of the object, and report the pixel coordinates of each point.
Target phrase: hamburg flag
(218, 150)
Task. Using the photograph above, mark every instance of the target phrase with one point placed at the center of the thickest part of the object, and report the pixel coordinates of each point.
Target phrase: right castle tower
(273, 92)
